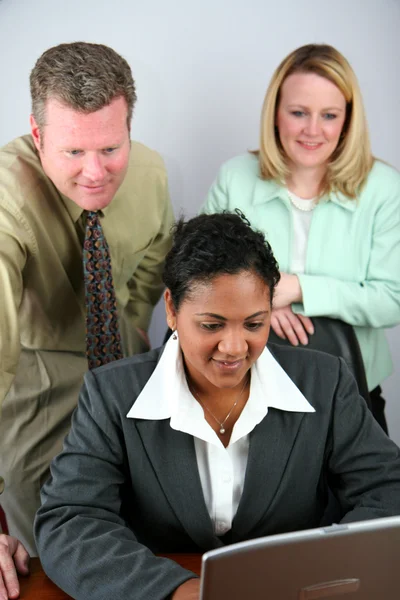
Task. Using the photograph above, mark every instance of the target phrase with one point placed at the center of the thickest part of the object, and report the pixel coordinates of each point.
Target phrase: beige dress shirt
(42, 308)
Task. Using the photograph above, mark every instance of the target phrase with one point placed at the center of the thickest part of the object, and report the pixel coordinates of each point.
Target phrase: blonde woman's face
(310, 119)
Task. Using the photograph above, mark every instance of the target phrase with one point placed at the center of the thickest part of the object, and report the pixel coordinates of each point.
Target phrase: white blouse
(301, 228)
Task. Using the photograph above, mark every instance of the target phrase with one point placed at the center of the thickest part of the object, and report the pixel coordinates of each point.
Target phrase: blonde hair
(352, 160)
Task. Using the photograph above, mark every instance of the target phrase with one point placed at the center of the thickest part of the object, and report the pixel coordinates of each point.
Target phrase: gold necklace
(221, 424)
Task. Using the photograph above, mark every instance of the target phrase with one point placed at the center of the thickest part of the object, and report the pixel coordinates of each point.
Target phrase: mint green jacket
(352, 269)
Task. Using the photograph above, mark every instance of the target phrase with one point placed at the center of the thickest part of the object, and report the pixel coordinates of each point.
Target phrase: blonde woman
(330, 210)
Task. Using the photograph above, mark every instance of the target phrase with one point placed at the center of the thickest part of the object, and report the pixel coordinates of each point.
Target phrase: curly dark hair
(211, 245)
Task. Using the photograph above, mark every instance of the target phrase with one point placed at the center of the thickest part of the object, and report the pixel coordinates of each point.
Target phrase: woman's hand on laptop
(13, 558)
(190, 590)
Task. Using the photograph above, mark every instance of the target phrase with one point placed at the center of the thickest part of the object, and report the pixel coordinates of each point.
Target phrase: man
(78, 158)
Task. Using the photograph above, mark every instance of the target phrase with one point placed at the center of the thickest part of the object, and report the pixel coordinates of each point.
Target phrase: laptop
(358, 561)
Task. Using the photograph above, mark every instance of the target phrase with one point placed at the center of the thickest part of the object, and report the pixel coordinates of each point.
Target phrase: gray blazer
(123, 489)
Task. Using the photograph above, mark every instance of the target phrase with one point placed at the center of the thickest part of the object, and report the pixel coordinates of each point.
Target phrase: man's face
(84, 155)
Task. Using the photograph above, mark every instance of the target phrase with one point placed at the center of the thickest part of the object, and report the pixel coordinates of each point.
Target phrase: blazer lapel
(271, 443)
(173, 456)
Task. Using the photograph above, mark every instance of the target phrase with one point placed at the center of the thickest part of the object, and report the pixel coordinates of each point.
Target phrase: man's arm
(13, 256)
(146, 286)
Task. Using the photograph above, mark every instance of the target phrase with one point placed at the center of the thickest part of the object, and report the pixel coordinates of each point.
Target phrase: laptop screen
(359, 561)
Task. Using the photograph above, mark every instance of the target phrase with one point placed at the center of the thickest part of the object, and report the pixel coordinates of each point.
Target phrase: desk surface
(37, 586)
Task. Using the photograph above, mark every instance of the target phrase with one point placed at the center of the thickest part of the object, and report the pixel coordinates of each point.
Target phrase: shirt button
(222, 527)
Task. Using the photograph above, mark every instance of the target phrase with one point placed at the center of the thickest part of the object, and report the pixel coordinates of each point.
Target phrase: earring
(174, 336)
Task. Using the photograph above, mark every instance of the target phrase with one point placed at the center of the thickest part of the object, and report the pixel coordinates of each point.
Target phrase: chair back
(339, 339)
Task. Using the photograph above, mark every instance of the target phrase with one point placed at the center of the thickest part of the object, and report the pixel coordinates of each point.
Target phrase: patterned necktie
(103, 341)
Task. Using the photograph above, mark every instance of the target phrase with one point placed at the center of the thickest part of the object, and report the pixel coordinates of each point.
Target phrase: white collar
(167, 391)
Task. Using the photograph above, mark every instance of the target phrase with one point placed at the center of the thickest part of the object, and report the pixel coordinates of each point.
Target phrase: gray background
(202, 69)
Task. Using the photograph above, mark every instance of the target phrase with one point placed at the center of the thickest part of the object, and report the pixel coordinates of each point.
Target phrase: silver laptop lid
(358, 561)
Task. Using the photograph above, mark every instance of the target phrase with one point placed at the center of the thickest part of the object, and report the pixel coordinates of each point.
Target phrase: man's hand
(190, 590)
(288, 325)
(287, 291)
(13, 558)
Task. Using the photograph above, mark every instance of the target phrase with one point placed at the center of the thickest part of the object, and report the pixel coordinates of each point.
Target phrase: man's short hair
(83, 76)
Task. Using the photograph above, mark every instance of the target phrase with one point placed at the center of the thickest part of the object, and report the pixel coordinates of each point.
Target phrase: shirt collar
(271, 189)
(343, 201)
(166, 394)
(73, 209)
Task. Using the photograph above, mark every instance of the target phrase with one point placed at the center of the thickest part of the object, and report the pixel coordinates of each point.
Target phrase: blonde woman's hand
(290, 326)
(287, 291)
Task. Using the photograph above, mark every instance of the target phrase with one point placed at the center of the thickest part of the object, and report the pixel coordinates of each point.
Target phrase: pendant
(222, 430)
